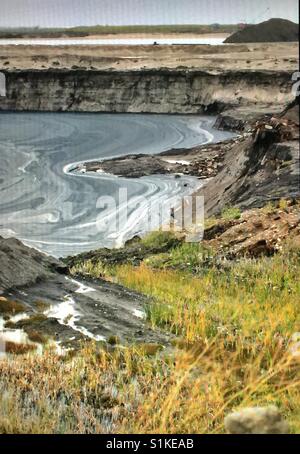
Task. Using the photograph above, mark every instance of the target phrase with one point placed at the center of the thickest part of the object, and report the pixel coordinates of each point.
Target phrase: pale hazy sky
(60, 13)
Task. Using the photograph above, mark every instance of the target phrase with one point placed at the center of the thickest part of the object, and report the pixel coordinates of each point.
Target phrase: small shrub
(35, 336)
(113, 340)
(90, 268)
(18, 349)
(40, 305)
(11, 307)
(269, 208)
(283, 204)
(160, 239)
(149, 349)
(231, 213)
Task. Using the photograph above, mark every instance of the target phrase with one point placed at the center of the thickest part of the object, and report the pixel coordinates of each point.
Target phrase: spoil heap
(273, 30)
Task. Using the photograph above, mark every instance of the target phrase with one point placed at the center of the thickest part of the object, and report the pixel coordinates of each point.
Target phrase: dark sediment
(263, 167)
(201, 161)
(33, 281)
(273, 30)
(22, 266)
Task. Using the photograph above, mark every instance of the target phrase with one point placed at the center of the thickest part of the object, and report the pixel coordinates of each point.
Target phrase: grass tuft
(11, 307)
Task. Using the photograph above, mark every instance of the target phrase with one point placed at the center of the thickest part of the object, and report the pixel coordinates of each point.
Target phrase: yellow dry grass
(235, 344)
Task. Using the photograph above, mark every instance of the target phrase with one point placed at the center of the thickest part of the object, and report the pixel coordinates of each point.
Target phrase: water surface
(110, 41)
(58, 212)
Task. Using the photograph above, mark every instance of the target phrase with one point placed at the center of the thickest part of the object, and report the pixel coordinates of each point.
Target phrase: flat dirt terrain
(263, 56)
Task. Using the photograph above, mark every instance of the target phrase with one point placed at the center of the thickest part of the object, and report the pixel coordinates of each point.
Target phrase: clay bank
(147, 91)
(149, 79)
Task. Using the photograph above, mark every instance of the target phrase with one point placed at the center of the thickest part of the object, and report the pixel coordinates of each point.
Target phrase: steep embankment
(263, 167)
(273, 30)
(159, 91)
(21, 266)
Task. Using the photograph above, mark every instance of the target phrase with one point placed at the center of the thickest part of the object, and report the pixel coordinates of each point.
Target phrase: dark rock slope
(22, 266)
(263, 167)
(57, 306)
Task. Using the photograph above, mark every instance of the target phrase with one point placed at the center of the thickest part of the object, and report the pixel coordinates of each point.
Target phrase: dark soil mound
(273, 30)
(21, 266)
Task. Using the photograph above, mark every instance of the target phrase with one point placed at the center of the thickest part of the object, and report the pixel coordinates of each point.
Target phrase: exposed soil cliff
(263, 167)
(159, 91)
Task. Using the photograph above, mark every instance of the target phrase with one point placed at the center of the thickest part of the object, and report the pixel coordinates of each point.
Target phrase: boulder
(256, 420)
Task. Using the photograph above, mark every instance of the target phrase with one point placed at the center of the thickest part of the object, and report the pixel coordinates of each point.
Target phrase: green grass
(187, 256)
(159, 239)
(231, 213)
(234, 344)
(11, 307)
(234, 329)
(251, 297)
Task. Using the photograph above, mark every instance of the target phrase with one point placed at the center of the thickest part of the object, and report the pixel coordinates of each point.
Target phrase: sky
(67, 13)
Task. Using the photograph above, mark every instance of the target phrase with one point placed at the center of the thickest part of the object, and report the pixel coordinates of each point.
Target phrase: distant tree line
(82, 31)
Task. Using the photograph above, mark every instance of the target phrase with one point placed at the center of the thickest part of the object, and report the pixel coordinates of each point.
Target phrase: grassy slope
(234, 345)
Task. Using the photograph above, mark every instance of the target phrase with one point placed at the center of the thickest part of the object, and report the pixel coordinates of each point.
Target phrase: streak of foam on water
(48, 207)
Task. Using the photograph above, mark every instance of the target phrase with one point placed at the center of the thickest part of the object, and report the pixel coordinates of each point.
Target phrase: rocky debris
(21, 266)
(257, 232)
(263, 166)
(243, 118)
(207, 161)
(131, 166)
(273, 30)
(204, 161)
(291, 113)
(256, 420)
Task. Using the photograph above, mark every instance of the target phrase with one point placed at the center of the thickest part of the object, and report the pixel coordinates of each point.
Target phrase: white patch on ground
(173, 161)
(23, 293)
(82, 288)
(1, 324)
(17, 336)
(17, 318)
(139, 314)
(66, 314)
